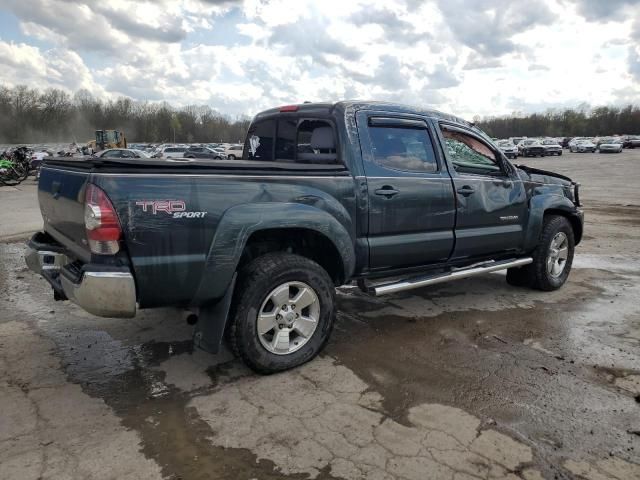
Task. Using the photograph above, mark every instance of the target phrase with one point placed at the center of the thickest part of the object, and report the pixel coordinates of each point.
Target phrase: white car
(122, 153)
(610, 145)
(582, 146)
(551, 147)
(508, 148)
(234, 151)
(171, 152)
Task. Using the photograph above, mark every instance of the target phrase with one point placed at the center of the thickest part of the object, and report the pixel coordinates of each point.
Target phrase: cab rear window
(297, 140)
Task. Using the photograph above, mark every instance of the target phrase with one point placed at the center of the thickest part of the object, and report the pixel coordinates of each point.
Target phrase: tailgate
(61, 196)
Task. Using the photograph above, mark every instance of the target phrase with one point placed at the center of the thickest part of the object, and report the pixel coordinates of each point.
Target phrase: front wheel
(552, 258)
(231, 157)
(283, 312)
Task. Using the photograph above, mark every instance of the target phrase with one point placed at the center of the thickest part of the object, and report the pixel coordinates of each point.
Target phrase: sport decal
(175, 208)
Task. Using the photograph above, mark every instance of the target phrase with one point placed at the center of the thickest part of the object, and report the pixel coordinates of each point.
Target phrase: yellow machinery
(108, 139)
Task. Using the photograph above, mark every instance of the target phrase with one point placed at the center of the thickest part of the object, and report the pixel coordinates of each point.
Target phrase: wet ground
(474, 379)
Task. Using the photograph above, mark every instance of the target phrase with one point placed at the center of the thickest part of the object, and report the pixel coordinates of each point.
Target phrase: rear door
(411, 202)
(491, 199)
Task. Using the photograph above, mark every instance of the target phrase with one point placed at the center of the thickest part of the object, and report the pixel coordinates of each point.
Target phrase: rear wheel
(283, 314)
(552, 258)
(231, 157)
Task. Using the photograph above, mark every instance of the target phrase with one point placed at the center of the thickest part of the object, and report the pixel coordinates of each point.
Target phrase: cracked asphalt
(467, 380)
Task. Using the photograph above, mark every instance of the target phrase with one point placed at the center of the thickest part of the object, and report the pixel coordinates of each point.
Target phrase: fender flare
(539, 205)
(240, 222)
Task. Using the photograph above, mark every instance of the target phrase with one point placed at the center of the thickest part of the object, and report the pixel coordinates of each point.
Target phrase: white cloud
(470, 58)
(27, 65)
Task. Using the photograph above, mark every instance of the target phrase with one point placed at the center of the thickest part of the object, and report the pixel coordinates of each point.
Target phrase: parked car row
(540, 147)
(529, 147)
(213, 151)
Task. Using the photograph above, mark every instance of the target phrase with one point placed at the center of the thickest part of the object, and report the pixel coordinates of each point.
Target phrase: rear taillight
(101, 222)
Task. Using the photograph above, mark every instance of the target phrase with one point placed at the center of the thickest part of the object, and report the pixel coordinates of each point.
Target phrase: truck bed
(160, 245)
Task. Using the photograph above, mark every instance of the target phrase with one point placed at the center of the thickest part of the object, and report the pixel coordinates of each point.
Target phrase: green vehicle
(12, 173)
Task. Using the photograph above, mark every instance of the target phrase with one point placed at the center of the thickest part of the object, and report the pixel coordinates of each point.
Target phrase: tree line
(28, 115)
(583, 122)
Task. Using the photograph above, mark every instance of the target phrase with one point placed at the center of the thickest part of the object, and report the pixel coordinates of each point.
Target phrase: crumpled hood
(543, 176)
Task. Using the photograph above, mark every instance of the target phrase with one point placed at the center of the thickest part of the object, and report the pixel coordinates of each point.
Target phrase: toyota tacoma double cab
(386, 196)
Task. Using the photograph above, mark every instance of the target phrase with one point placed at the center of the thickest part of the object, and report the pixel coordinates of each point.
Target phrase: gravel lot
(474, 379)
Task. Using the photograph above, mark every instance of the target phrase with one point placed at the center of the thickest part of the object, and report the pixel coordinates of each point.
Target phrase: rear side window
(406, 149)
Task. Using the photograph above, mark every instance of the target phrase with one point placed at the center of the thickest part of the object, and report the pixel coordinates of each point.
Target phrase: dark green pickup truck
(325, 194)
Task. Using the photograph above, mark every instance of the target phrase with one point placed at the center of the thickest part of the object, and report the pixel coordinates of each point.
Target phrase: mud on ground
(474, 379)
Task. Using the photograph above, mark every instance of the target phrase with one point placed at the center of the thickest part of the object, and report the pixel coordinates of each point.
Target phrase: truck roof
(329, 108)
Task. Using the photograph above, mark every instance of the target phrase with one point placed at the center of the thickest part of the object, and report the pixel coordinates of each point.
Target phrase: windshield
(549, 142)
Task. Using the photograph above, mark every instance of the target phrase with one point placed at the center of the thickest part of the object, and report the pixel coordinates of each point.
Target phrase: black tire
(536, 275)
(560, 154)
(231, 157)
(256, 281)
(519, 277)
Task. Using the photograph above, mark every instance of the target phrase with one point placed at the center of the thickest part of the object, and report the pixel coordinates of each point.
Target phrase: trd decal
(175, 208)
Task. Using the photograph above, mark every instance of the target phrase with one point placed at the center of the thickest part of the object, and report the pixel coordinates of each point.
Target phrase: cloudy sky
(469, 57)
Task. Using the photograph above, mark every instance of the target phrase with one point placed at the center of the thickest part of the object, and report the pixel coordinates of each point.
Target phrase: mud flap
(212, 321)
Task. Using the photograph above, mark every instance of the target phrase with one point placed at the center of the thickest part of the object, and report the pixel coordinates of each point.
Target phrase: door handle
(466, 190)
(387, 191)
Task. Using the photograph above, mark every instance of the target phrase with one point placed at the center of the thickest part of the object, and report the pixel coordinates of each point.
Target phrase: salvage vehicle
(582, 146)
(170, 152)
(508, 148)
(531, 148)
(551, 147)
(389, 196)
(631, 141)
(610, 145)
(204, 152)
(233, 151)
(122, 153)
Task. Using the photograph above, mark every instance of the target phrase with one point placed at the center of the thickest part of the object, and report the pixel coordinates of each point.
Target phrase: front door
(411, 203)
(491, 198)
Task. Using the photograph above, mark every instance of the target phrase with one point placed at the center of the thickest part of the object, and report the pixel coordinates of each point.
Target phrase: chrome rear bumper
(105, 292)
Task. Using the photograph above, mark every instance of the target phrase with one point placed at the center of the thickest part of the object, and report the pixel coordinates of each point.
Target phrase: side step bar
(418, 282)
